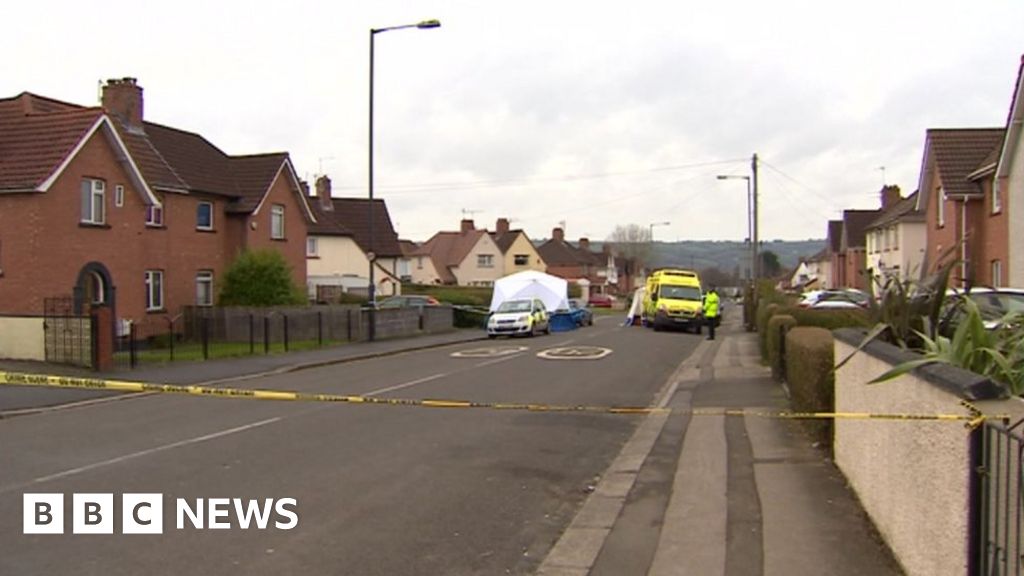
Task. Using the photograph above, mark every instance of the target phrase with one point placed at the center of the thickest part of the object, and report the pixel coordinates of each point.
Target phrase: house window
(997, 199)
(93, 201)
(895, 238)
(277, 222)
(119, 195)
(204, 288)
(204, 216)
(154, 290)
(484, 261)
(997, 273)
(312, 249)
(940, 205)
(521, 259)
(419, 262)
(154, 215)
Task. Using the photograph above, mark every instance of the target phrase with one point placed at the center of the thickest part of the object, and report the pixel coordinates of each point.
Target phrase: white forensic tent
(636, 308)
(551, 290)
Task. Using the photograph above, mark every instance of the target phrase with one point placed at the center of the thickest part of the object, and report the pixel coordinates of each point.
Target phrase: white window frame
(277, 222)
(312, 247)
(154, 290)
(204, 283)
(154, 216)
(199, 207)
(485, 261)
(997, 273)
(997, 199)
(119, 195)
(940, 202)
(93, 200)
(525, 258)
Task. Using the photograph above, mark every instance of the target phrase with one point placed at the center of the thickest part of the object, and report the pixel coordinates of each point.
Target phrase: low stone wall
(912, 476)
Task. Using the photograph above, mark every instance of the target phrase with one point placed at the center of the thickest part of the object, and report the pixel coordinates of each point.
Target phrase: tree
(713, 276)
(632, 241)
(259, 278)
(770, 266)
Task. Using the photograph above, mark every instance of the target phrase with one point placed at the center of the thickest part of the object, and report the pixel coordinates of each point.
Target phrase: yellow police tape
(972, 419)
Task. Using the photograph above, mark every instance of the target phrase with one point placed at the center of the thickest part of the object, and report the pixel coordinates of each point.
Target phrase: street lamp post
(750, 220)
(370, 254)
(650, 234)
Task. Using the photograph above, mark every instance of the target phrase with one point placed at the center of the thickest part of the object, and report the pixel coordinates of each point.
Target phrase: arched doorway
(94, 287)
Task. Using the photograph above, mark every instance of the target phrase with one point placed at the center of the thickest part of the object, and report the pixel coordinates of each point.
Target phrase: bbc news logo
(144, 513)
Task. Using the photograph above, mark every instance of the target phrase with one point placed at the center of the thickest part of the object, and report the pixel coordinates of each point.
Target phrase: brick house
(601, 271)
(849, 262)
(102, 206)
(955, 194)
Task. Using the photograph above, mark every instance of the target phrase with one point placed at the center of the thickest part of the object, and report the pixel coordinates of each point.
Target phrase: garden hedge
(810, 357)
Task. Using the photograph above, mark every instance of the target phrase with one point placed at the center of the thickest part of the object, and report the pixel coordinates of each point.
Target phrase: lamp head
(429, 24)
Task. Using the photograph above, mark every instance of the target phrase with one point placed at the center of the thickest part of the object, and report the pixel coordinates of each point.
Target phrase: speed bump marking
(489, 352)
(575, 353)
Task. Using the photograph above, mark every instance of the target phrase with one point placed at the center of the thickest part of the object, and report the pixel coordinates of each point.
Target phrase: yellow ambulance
(673, 299)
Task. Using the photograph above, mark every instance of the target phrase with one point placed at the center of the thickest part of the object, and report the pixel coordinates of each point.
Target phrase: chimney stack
(558, 234)
(323, 192)
(502, 226)
(123, 98)
(585, 244)
(890, 195)
(466, 226)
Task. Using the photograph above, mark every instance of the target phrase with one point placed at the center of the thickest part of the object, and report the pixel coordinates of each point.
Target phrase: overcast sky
(590, 113)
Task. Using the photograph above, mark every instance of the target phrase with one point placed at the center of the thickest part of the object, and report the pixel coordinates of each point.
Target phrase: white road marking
(149, 451)
(408, 384)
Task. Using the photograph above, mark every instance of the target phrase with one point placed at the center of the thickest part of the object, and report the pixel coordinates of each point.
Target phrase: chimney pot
(323, 192)
(466, 226)
(558, 234)
(584, 243)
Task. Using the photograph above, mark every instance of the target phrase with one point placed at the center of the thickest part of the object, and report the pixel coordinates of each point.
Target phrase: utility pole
(756, 264)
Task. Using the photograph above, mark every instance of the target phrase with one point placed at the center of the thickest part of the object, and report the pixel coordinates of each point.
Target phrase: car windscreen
(514, 306)
(679, 292)
(995, 305)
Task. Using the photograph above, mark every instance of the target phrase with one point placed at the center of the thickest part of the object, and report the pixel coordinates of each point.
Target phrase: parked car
(580, 312)
(845, 298)
(410, 301)
(525, 317)
(994, 304)
(601, 300)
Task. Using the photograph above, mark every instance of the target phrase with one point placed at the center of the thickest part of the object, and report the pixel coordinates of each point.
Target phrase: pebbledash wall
(912, 476)
(21, 337)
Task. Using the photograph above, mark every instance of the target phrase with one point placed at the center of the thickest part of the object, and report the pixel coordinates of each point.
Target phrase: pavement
(721, 495)
(688, 493)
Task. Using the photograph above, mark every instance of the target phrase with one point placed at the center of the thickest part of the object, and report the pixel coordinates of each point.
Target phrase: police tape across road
(973, 418)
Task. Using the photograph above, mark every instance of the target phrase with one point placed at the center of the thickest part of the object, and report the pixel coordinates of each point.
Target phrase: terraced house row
(100, 206)
(970, 190)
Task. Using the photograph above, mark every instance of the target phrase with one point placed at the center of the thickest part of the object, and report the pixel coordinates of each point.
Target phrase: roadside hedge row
(804, 359)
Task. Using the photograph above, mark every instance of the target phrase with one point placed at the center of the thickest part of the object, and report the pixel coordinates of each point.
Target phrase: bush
(260, 278)
(455, 295)
(765, 311)
(810, 356)
(828, 319)
(777, 326)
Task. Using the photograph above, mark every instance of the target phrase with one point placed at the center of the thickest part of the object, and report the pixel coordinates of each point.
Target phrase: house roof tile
(961, 151)
(351, 217)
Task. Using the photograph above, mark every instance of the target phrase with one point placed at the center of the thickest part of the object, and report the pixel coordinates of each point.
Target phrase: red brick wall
(993, 238)
(293, 247)
(940, 238)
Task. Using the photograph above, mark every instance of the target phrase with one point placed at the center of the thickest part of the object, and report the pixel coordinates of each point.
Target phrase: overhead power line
(438, 186)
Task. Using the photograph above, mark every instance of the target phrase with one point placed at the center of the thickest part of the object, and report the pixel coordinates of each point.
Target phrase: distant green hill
(728, 256)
